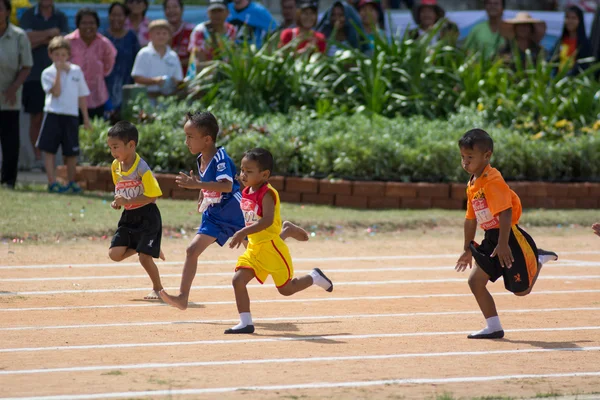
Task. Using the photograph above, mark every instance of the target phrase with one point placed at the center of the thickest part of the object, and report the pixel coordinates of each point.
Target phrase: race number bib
(250, 211)
(484, 216)
(208, 199)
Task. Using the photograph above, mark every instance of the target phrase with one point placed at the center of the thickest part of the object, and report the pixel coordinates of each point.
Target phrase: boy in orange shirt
(507, 250)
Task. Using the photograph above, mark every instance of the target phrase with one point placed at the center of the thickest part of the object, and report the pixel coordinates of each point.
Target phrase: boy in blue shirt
(252, 20)
(219, 199)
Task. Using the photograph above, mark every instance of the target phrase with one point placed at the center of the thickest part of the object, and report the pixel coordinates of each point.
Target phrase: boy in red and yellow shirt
(507, 250)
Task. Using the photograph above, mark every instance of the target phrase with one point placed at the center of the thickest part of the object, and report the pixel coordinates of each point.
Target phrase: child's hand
(504, 255)
(87, 125)
(120, 200)
(115, 205)
(237, 240)
(464, 261)
(186, 181)
(596, 228)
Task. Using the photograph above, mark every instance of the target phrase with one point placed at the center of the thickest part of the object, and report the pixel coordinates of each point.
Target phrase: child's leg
(315, 277)
(240, 282)
(71, 163)
(50, 164)
(294, 231)
(478, 283)
(119, 253)
(190, 266)
(152, 270)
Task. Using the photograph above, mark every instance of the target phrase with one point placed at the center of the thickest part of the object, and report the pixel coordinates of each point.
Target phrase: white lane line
(317, 385)
(269, 286)
(299, 300)
(290, 319)
(448, 268)
(292, 360)
(251, 340)
(296, 260)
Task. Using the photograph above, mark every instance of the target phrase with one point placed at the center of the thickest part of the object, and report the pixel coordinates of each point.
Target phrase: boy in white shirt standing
(157, 66)
(66, 92)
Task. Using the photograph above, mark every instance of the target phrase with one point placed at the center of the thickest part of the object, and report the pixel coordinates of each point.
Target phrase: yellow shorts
(268, 258)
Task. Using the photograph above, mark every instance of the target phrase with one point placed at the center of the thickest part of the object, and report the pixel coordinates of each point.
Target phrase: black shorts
(140, 229)
(34, 97)
(519, 277)
(59, 130)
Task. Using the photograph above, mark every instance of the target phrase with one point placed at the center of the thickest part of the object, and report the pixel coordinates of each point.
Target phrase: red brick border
(376, 195)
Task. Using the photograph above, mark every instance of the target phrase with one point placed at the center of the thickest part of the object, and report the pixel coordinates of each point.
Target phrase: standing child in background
(507, 250)
(136, 189)
(66, 92)
(218, 201)
(266, 254)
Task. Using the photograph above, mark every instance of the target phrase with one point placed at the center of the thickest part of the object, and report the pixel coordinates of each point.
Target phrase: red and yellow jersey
(138, 180)
(488, 196)
(251, 205)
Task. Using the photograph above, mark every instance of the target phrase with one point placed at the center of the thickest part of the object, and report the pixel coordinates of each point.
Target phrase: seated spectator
(15, 63)
(180, 42)
(96, 55)
(306, 19)
(486, 37)
(137, 21)
(342, 19)
(252, 21)
(525, 35)
(573, 45)
(127, 45)
(426, 15)
(157, 65)
(208, 37)
(371, 16)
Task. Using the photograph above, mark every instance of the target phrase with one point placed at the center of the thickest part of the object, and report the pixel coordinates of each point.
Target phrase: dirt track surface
(73, 323)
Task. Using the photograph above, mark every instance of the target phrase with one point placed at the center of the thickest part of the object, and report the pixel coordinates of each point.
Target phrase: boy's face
(217, 16)
(60, 56)
(160, 36)
(120, 150)
(196, 139)
(474, 160)
(250, 173)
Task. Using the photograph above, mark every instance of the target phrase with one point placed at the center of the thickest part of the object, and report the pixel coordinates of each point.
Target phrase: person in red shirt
(573, 45)
(306, 19)
(181, 31)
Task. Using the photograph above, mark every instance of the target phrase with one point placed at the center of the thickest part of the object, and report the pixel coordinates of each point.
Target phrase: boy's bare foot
(153, 295)
(596, 228)
(294, 231)
(162, 256)
(180, 301)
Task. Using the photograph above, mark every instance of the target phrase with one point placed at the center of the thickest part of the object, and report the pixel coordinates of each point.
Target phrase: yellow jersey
(251, 205)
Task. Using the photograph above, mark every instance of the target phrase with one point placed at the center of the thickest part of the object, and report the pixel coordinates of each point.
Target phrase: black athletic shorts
(33, 97)
(519, 277)
(59, 130)
(140, 229)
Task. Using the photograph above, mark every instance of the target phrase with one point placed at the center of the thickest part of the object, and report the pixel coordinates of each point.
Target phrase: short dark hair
(262, 157)
(125, 131)
(166, 1)
(143, 1)
(118, 4)
(86, 11)
(205, 121)
(476, 138)
(503, 3)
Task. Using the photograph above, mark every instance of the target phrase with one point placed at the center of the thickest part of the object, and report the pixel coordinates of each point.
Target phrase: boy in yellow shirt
(266, 253)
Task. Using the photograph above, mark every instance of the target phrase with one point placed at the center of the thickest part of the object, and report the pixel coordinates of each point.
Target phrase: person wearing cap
(306, 20)
(209, 36)
(252, 20)
(371, 16)
(157, 66)
(573, 45)
(180, 42)
(486, 37)
(525, 36)
(426, 15)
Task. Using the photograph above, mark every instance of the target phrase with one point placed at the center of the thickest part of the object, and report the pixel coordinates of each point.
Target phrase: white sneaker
(321, 280)
(544, 256)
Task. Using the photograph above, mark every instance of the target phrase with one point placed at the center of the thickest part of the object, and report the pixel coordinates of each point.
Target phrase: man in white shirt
(157, 66)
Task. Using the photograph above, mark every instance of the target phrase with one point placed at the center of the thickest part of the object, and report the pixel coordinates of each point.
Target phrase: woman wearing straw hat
(426, 15)
(524, 34)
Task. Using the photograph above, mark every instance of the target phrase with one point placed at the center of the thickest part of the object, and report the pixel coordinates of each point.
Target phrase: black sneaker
(544, 256)
(246, 329)
(493, 335)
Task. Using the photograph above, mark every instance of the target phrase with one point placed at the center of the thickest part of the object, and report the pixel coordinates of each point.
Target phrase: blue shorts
(222, 221)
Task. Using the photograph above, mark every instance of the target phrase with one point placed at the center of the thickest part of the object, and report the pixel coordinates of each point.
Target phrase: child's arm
(136, 201)
(84, 112)
(466, 258)
(192, 182)
(55, 90)
(502, 250)
(142, 80)
(268, 215)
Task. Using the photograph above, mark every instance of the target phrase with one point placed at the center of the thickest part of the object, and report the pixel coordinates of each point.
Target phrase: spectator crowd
(159, 54)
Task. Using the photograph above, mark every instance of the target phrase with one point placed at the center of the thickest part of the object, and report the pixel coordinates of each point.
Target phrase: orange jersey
(488, 196)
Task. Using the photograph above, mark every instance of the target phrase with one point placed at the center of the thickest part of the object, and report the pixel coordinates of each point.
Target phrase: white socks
(493, 325)
(320, 280)
(245, 320)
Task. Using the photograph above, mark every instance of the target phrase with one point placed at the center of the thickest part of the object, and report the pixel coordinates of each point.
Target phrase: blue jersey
(253, 23)
(221, 167)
